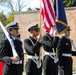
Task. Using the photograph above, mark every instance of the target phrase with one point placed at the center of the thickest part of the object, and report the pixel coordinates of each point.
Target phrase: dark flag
(61, 21)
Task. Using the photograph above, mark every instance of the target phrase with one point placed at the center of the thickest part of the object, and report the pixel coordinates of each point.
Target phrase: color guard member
(49, 43)
(12, 65)
(32, 47)
(65, 53)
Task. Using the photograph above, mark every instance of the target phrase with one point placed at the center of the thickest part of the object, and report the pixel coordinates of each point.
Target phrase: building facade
(25, 18)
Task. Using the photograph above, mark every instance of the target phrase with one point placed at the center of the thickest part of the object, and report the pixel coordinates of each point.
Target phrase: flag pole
(40, 33)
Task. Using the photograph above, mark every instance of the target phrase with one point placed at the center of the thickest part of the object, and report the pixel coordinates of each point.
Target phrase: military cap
(11, 25)
(32, 26)
(68, 28)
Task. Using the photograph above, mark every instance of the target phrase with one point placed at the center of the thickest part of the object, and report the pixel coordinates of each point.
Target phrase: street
(58, 74)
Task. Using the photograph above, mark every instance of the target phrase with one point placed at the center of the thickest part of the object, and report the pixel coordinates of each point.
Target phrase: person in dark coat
(12, 64)
(50, 60)
(32, 47)
(65, 53)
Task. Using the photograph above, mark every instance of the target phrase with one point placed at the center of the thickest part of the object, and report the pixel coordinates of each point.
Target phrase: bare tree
(21, 5)
(69, 3)
(16, 6)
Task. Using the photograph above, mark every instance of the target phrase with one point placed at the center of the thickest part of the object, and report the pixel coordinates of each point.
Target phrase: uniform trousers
(49, 66)
(35, 72)
(67, 65)
(51, 72)
(14, 69)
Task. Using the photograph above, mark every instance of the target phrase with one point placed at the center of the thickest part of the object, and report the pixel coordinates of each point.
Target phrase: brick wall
(25, 18)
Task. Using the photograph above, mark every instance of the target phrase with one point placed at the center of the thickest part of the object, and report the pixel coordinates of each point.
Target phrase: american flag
(48, 15)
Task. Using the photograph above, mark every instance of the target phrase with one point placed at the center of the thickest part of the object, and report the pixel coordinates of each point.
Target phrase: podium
(1, 66)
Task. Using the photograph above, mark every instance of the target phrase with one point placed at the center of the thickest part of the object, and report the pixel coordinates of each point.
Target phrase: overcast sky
(31, 3)
(35, 3)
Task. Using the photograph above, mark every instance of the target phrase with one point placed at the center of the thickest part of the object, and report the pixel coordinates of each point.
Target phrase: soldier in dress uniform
(32, 47)
(12, 65)
(65, 53)
(49, 43)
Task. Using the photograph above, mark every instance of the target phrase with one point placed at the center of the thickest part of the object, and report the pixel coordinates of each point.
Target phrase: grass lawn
(74, 69)
(24, 67)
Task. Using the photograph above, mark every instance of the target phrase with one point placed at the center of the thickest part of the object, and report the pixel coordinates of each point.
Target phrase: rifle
(9, 39)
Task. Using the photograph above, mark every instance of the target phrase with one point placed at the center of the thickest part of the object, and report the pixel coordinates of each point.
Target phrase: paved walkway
(73, 73)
